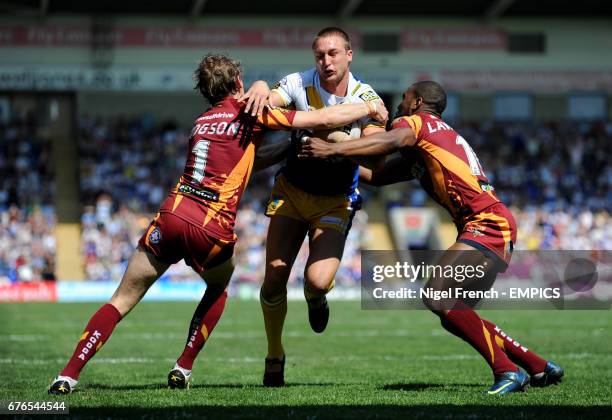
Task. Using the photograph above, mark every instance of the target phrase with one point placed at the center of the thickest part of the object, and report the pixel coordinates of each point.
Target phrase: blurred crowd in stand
(556, 177)
(27, 217)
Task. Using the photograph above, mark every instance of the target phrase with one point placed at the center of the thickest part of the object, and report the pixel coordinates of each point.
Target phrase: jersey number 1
(475, 167)
(200, 150)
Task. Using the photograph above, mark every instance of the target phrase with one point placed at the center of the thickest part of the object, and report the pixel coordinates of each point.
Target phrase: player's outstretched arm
(371, 162)
(381, 143)
(394, 171)
(256, 98)
(339, 115)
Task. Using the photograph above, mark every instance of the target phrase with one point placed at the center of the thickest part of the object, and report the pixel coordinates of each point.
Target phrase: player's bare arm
(319, 119)
(376, 144)
(258, 96)
(394, 170)
(371, 162)
(339, 115)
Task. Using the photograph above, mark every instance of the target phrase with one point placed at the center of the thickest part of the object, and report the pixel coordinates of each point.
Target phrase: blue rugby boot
(508, 382)
(553, 373)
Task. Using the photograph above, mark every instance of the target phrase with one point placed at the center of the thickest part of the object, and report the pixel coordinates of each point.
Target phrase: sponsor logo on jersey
(369, 96)
(155, 236)
(224, 115)
(485, 186)
(202, 193)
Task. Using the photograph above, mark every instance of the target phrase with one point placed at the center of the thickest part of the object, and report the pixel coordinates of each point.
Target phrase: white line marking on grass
(248, 359)
(216, 335)
(24, 337)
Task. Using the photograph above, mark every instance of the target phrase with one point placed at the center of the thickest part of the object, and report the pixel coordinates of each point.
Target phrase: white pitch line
(24, 337)
(348, 358)
(221, 335)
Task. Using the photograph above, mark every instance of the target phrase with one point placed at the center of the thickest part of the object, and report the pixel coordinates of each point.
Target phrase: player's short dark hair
(217, 77)
(432, 93)
(333, 31)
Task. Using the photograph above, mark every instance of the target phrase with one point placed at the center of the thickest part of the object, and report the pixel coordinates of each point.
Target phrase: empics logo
(93, 342)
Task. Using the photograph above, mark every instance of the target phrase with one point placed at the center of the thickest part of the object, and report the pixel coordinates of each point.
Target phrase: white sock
(71, 382)
(185, 372)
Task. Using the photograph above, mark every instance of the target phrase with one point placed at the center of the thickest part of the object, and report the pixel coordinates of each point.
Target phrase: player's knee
(318, 287)
(318, 281)
(272, 297)
(277, 271)
(429, 303)
(270, 289)
(433, 304)
(219, 277)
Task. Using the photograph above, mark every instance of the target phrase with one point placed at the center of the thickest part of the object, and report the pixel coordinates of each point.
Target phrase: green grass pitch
(367, 364)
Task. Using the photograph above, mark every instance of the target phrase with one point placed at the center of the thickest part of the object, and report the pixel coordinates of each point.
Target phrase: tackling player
(450, 172)
(196, 221)
(317, 198)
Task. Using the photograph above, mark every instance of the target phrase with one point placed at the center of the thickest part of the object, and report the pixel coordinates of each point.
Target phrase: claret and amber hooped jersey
(451, 172)
(219, 163)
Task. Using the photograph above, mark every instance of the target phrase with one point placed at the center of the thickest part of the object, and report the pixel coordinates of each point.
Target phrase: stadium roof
(486, 9)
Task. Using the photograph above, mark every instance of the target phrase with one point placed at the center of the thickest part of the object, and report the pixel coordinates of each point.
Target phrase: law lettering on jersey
(438, 125)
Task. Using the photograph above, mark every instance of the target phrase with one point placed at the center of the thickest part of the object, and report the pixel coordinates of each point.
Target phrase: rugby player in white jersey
(313, 197)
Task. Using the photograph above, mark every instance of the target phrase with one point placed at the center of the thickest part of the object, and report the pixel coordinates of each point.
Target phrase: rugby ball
(333, 136)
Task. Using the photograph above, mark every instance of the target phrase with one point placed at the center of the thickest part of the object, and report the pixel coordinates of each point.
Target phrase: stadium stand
(554, 175)
(27, 217)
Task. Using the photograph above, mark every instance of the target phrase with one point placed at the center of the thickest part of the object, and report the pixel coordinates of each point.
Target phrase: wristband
(372, 110)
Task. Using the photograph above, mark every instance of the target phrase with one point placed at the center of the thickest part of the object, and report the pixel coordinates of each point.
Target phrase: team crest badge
(155, 236)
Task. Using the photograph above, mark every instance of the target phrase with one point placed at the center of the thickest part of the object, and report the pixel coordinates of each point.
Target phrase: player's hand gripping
(314, 147)
(256, 97)
(378, 111)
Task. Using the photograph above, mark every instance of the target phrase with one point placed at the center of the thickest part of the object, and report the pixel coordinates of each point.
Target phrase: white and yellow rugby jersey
(303, 90)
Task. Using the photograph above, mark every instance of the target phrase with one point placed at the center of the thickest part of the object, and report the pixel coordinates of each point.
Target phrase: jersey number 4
(473, 161)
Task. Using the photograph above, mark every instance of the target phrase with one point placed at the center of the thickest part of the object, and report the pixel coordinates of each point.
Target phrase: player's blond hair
(333, 31)
(217, 77)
